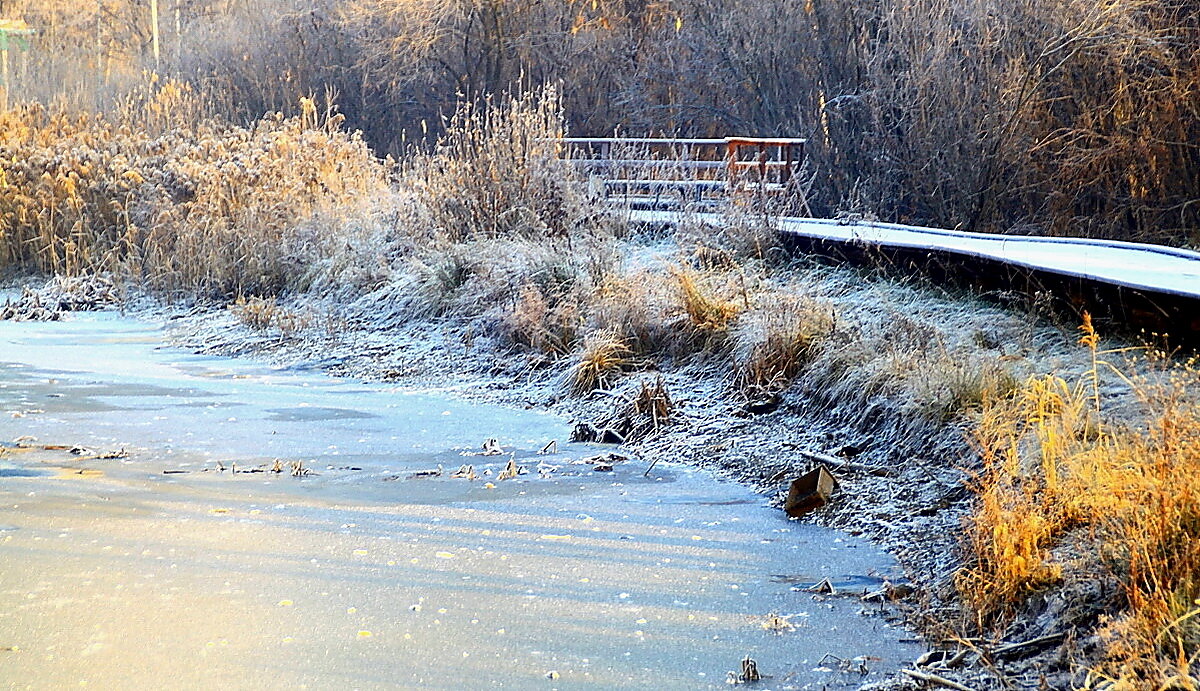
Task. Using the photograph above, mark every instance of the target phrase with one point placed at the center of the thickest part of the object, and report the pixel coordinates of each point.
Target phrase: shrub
(497, 173)
(776, 339)
(436, 277)
(951, 384)
(636, 306)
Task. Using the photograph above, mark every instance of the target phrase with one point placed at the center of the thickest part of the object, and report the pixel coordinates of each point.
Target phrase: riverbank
(1006, 457)
(887, 390)
(905, 462)
(894, 429)
(304, 515)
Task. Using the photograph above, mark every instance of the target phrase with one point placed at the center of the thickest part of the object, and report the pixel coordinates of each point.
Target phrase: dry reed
(1127, 498)
(200, 207)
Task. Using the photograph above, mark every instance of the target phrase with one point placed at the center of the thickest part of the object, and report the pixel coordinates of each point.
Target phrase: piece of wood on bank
(843, 464)
(1014, 648)
(810, 491)
(936, 680)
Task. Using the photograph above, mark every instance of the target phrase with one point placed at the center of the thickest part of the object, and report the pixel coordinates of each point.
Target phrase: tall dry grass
(635, 305)
(175, 202)
(1051, 116)
(501, 229)
(710, 304)
(497, 172)
(1065, 492)
(777, 339)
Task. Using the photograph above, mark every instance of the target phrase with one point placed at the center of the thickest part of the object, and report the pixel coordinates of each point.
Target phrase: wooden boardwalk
(1131, 286)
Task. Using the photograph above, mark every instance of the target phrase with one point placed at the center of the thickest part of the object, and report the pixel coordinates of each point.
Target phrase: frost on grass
(489, 238)
(193, 205)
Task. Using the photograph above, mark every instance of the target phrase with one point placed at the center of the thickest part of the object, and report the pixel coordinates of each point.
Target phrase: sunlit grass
(603, 359)
(175, 202)
(1130, 494)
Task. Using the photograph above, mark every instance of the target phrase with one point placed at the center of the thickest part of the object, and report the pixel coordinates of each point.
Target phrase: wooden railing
(668, 172)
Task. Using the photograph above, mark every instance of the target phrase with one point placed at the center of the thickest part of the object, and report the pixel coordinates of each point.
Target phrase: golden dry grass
(708, 306)
(1129, 495)
(604, 357)
(175, 203)
(262, 314)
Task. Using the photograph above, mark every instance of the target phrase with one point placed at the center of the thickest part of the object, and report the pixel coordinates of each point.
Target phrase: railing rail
(663, 171)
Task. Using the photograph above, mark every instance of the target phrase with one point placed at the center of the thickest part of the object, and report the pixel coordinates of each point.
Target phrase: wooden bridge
(1134, 288)
(657, 173)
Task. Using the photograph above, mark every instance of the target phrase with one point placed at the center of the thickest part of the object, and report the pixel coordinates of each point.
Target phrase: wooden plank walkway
(1130, 285)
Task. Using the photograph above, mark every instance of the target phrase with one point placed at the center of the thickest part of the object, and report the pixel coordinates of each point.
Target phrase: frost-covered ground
(886, 404)
(903, 472)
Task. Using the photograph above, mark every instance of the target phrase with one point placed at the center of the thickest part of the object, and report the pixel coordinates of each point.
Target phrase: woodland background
(1062, 117)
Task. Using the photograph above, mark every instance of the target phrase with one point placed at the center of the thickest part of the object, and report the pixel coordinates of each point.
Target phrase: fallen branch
(1011, 648)
(936, 680)
(824, 458)
(843, 464)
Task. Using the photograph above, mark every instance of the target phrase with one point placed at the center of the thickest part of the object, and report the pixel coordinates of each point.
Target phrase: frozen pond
(115, 573)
